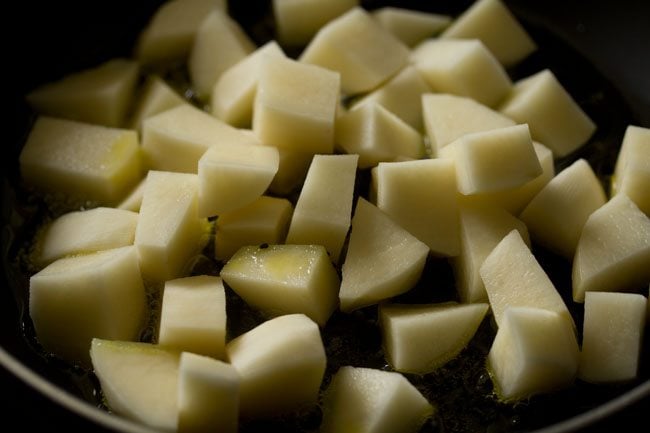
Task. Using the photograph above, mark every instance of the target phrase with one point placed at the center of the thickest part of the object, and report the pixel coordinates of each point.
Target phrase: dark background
(45, 39)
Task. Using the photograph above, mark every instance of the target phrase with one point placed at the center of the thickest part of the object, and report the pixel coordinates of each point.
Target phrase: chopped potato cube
(632, 171)
(410, 26)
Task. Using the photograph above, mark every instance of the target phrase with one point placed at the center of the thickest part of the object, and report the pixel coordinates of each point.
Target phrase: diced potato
(266, 220)
(449, 117)
(614, 249)
(234, 175)
(171, 31)
(377, 135)
(534, 351)
(514, 200)
(324, 208)
(554, 118)
(295, 106)
(101, 95)
(297, 21)
(281, 364)
(133, 200)
(612, 336)
(383, 260)
(401, 96)
(513, 278)
(632, 171)
(138, 380)
(176, 139)
(556, 215)
(360, 49)
(373, 401)
(208, 395)
(87, 232)
(410, 26)
(193, 316)
(421, 197)
(463, 68)
(492, 23)
(285, 279)
(233, 95)
(421, 338)
(493, 160)
(157, 96)
(75, 299)
(169, 230)
(219, 43)
(482, 227)
(79, 160)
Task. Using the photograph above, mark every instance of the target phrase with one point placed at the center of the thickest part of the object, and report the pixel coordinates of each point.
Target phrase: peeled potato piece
(410, 26)
(157, 96)
(632, 172)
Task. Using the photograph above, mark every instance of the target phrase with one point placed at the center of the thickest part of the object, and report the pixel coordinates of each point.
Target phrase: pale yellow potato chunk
(297, 21)
(175, 140)
(234, 175)
(324, 208)
(219, 43)
(79, 160)
(401, 96)
(265, 221)
(449, 117)
(193, 316)
(410, 26)
(482, 227)
(513, 278)
(133, 200)
(556, 215)
(156, 96)
(377, 135)
(295, 106)
(87, 231)
(383, 260)
(138, 380)
(169, 230)
(462, 67)
(285, 279)
(281, 364)
(421, 197)
(75, 299)
(632, 171)
(493, 160)
(612, 336)
(233, 95)
(360, 49)
(171, 31)
(373, 401)
(100, 95)
(492, 23)
(421, 338)
(208, 395)
(535, 351)
(614, 249)
(554, 118)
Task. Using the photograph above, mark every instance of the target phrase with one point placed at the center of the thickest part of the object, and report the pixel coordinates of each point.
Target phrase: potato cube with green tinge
(535, 351)
(281, 364)
(285, 279)
(356, 46)
(410, 26)
(265, 221)
(632, 171)
(373, 401)
(87, 231)
(79, 160)
(421, 338)
(383, 259)
(614, 249)
(554, 117)
(462, 67)
(193, 316)
(138, 380)
(612, 336)
(75, 299)
(101, 95)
